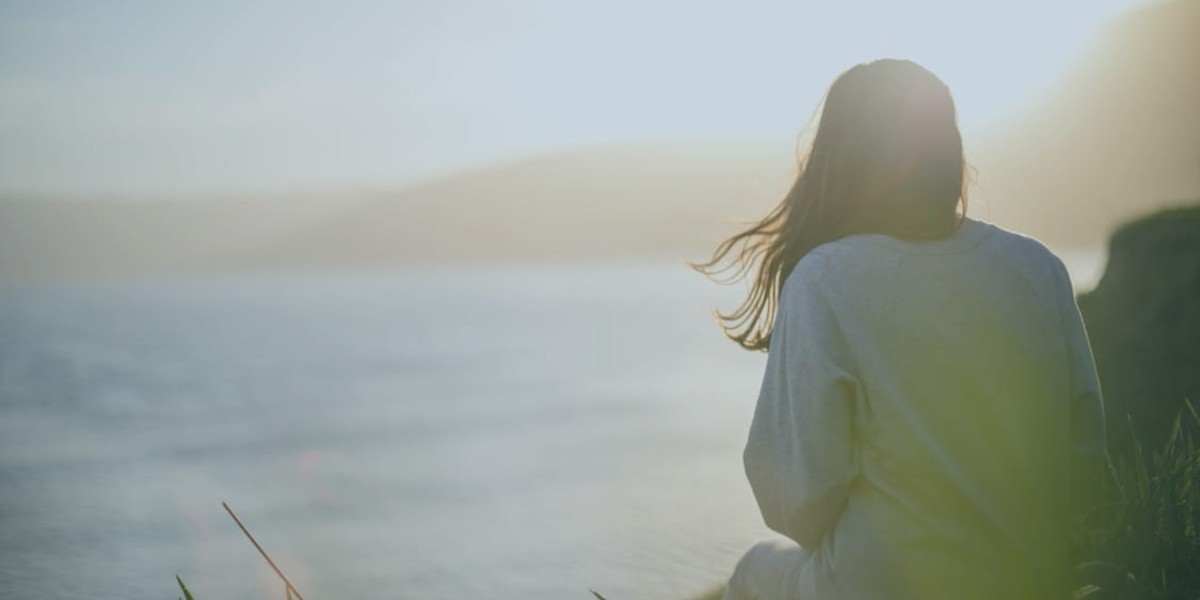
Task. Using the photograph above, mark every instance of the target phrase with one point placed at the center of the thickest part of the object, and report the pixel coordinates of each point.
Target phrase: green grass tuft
(1143, 540)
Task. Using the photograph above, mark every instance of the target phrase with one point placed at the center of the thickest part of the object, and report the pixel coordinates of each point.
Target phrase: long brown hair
(886, 158)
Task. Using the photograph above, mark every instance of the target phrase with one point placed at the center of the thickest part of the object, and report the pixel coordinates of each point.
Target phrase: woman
(930, 412)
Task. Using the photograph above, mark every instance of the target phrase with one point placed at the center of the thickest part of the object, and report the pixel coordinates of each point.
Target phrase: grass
(1143, 540)
(187, 595)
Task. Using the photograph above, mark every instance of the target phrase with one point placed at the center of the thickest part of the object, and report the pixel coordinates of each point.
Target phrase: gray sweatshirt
(925, 410)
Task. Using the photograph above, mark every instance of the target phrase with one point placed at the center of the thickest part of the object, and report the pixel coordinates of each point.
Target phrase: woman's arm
(1087, 406)
(800, 456)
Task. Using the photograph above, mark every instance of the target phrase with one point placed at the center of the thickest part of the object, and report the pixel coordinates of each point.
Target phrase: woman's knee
(762, 569)
(760, 553)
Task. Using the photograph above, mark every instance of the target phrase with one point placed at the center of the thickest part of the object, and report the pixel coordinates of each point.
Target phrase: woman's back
(912, 428)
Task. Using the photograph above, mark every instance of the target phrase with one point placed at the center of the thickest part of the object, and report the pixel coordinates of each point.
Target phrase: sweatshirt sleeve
(800, 458)
(1087, 406)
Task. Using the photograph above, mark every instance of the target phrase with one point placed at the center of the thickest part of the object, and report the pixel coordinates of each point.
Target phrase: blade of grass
(291, 589)
(186, 594)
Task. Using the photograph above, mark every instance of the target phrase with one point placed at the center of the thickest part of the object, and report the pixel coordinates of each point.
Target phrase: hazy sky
(172, 98)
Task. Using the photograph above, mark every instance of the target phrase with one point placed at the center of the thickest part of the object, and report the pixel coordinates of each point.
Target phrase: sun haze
(148, 99)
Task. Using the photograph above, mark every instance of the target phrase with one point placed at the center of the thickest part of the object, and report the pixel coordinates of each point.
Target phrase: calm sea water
(424, 433)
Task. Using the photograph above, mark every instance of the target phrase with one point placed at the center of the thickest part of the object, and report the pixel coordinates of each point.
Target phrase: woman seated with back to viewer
(930, 412)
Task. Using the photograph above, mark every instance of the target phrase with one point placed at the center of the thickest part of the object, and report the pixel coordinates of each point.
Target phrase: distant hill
(626, 200)
(100, 239)
(661, 199)
(1117, 137)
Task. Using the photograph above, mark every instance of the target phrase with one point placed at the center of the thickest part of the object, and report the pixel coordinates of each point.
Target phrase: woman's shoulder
(1029, 250)
(973, 235)
(976, 244)
(810, 271)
